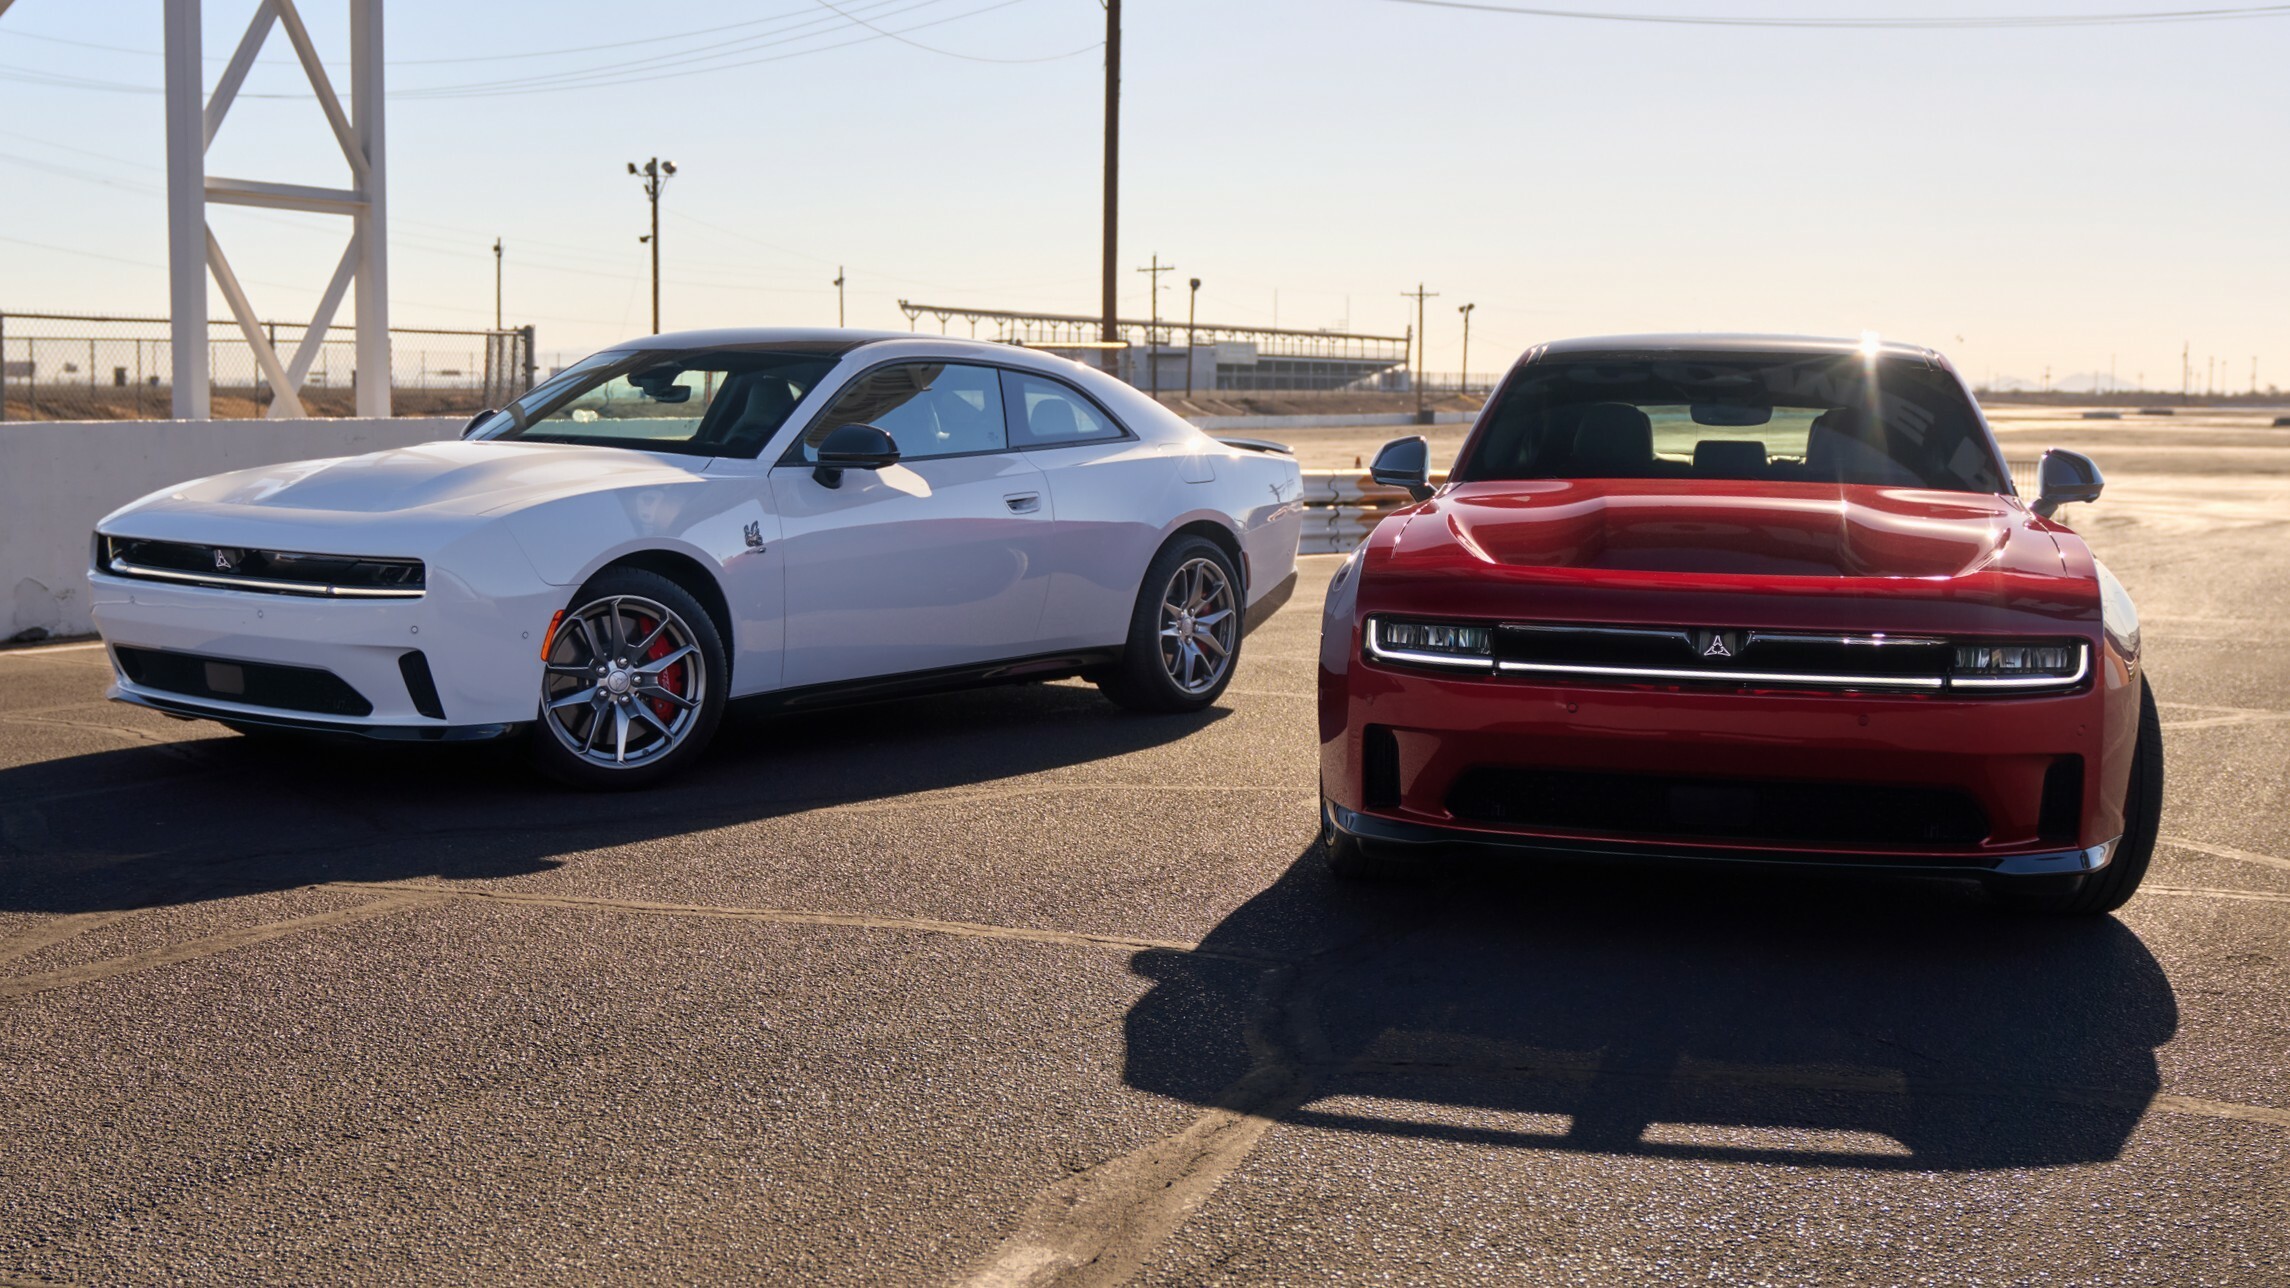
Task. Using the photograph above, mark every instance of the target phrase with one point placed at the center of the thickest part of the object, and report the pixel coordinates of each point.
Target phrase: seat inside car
(1614, 441)
(1051, 420)
(1726, 458)
(1846, 445)
(762, 402)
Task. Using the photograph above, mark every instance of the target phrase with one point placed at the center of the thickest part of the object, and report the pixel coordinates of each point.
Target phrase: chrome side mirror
(2062, 477)
(1405, 463)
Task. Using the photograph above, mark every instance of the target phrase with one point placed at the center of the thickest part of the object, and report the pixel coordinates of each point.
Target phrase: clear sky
(2021, 198)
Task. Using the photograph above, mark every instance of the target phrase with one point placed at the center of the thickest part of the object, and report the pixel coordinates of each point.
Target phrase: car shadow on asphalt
(1723, 1016)
(180, 822)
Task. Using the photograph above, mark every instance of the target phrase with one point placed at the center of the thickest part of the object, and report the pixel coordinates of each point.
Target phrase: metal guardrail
(1341, 507)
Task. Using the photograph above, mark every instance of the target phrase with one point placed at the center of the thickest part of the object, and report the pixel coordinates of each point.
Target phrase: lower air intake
(1788, 813)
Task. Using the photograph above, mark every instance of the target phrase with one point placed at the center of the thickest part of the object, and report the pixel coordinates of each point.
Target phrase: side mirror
(853, 447)
(479, 419)
(1405, 463)
(2062, 477)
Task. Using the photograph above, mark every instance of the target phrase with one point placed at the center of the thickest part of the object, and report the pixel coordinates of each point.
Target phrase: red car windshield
(1886, 422)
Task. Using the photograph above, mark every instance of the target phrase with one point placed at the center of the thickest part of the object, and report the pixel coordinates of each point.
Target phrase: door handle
(1023, 502)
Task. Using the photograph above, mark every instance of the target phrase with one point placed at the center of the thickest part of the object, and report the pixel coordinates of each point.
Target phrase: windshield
(1829, 419)
(709, 403)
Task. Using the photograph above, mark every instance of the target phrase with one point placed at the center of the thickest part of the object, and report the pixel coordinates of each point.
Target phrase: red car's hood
(1770, 530)
(1582, 543)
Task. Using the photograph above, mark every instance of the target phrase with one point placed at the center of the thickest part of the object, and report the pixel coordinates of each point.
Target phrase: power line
(1874, 24)
(948, 53)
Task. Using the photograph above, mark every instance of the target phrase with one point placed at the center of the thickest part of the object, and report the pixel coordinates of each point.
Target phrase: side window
(1047, 413)
(928, 408)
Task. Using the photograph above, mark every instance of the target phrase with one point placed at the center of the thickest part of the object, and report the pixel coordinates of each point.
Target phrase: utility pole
(1152, 357)
(496, 283)
(2186, 370)
(1192, 304)
(838, 295)
(655, 172)
(1111, 323)
(1419, 295)
(1463, 377)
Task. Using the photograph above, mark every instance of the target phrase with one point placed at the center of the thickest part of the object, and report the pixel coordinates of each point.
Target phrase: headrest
(1615, 440)
(1052, 421)
(1725, 458)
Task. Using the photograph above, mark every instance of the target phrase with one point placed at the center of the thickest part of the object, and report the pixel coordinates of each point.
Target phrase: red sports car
(1747, 599)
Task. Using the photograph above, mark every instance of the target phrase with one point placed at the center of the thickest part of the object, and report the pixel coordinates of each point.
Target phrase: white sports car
(683, 520)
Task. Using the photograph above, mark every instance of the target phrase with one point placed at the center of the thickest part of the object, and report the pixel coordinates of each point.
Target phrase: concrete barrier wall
(1331, 420)
(58, 477)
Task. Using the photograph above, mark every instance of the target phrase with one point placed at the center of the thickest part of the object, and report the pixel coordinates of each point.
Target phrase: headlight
(1431, 643)
(2020, 664)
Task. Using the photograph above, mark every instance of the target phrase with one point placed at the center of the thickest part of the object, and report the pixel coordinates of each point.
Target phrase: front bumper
(1994, 763)
(1389, 835)
(481, 651)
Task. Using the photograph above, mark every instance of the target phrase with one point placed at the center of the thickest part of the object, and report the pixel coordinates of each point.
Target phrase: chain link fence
(59, 366)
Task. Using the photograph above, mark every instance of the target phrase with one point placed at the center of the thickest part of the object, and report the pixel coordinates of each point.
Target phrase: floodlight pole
(1463, 377)
(496, 283)
(838, 295)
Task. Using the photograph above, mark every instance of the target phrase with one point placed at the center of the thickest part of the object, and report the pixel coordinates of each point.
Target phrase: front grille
(258, 684)
(1751, 657)
(276, 572)
(1683, 808)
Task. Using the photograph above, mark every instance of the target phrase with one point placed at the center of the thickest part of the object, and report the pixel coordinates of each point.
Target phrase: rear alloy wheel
(1184, 637)
(634, 683)
(2112, 886)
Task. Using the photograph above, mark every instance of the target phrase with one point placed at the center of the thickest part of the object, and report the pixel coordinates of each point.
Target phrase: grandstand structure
(1205, 357)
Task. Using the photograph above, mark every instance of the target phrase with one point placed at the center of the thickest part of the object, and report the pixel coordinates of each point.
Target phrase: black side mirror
(479, 419)
(853, 447)
(1405, 463)
(2064, 476)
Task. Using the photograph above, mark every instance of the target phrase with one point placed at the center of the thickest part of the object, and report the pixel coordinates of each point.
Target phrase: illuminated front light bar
(2020, 664)
(1431, 644)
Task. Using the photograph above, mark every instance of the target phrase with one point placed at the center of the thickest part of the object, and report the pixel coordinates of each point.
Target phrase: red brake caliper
(671, 679)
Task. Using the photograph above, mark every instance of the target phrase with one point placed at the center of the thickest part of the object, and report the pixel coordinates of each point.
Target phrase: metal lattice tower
(193, 117)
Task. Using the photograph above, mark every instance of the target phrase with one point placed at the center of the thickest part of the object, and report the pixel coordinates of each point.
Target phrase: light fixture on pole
(838, 295)
(655, 172)
(1463, 378)
(496, 283)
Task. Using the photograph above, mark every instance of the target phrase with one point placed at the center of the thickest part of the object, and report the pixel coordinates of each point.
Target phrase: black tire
(1351, 859)
(550, 739)
(2112, 886)
(1144, 678)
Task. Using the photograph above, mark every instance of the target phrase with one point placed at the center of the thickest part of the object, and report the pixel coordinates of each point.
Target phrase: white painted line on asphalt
(209, 946)
(799, 917)
(2212, 892)
(2226, 852)
(7, 654)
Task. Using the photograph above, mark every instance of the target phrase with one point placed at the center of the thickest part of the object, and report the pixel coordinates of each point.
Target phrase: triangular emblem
(1717, 647)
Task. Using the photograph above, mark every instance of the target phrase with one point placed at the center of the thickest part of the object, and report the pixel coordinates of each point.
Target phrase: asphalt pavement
(1010, 987)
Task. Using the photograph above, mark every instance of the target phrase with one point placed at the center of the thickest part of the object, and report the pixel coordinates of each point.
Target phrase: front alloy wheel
(632, 683)
(1199, 625)
(1184, 637)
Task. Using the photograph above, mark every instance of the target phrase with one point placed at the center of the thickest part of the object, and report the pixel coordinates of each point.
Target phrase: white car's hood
(448, 477)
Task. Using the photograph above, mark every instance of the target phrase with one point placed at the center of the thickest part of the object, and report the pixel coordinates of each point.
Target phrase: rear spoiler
(1258, 445)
